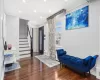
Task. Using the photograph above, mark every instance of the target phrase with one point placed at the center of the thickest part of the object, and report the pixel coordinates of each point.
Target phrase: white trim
(98, 60)
(98, 72)
(2, 74)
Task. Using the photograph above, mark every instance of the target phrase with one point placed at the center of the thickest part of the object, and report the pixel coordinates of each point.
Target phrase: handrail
(31, 42)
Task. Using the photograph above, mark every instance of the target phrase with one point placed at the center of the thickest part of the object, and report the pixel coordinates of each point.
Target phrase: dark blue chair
(75, 63)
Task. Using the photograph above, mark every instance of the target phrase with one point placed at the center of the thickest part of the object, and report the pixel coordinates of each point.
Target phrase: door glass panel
(40, 39)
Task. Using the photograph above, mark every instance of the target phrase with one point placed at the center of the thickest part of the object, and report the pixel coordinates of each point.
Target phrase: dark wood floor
(33, 69)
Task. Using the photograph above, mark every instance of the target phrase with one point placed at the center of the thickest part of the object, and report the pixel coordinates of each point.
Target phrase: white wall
(23, 31)
(1, 41)
(85, 41)
(35, 36)
(99, 45)
(12, 31)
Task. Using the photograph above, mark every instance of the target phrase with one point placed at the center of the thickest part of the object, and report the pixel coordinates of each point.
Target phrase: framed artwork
(77, 19)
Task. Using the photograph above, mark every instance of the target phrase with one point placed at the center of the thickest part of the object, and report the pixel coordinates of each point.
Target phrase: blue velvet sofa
(75, 63)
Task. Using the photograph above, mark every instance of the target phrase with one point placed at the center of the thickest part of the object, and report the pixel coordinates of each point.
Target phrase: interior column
(51, 42)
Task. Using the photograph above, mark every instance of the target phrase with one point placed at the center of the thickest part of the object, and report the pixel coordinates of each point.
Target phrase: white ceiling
(38, 10)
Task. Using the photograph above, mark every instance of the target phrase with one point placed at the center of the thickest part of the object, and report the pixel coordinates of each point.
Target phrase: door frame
(41, 29)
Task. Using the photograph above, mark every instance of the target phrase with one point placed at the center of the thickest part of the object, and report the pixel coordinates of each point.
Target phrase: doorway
(41, 40)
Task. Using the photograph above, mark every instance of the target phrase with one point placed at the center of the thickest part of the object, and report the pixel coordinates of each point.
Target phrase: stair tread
(24, 50)
(23, 41)
(25, 47)
(27, 52)
(24, 54)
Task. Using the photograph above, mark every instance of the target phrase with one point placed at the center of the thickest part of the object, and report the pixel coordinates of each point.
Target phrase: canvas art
(77, 19)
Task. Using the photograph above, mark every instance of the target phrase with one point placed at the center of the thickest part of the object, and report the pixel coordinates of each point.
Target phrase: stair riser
(23, 39)
(23, 46)
(25, 52)
(25, 56)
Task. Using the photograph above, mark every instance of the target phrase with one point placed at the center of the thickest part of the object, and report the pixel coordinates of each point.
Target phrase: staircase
(24, 48)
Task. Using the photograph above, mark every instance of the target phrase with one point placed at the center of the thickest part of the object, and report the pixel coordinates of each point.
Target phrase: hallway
(33, 69)
(35, 27)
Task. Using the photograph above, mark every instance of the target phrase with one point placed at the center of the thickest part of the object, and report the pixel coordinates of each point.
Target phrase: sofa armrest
(93, 62)
(87, 60)
(79, 62)
(65, 52)
(61, 53)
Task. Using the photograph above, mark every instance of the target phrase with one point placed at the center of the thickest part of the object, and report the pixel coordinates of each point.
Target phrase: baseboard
(24, 56)
(93, 73)
(2, 74)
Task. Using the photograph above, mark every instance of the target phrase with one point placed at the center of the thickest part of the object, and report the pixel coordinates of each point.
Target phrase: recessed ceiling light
(49, 11)
(66, 0)
(24, 1)
(35, 11)
(45, 0)
(19, 11)
(41, 17)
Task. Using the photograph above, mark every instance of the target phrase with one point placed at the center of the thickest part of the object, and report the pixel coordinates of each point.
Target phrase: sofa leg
(89, 72)
(60, 65)
(63, 65)
(84, 74)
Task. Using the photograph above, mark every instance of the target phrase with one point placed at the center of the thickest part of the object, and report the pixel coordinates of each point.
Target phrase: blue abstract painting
(77, 19)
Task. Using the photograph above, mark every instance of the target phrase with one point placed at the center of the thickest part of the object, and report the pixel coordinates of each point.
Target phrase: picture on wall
(77, 19)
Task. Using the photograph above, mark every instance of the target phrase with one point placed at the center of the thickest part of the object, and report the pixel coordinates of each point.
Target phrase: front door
(41, 40)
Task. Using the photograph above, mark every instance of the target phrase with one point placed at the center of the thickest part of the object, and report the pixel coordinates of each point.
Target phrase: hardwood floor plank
(33, 69)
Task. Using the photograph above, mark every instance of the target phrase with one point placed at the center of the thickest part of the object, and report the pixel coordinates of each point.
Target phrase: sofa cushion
(79, 61)
(76, 60)
(65, 57)
(87, 59)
